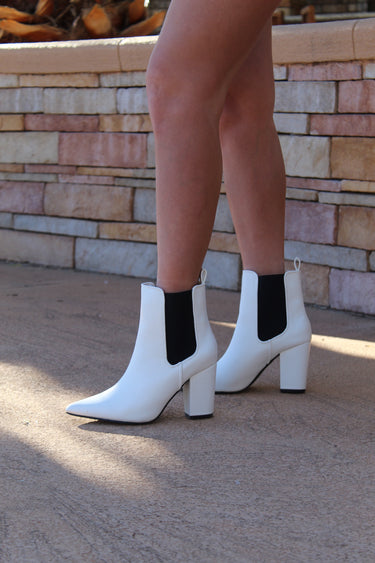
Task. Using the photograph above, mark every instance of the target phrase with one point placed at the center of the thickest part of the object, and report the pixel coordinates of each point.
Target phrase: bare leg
(253, 165)
(201, 48)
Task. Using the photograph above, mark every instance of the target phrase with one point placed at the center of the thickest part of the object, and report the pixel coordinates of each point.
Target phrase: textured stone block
(369, 70)
(357, 97)
(123, 79)
(224, 270)
(326, 71)
(291, 122)
(310, 222)
(353, 158)
(353, 186)
(11, 122)
(103, 149)
(315, 283)
(118, 172)
(131, 123)
(61, 123)
(28, 147)
(327, 255)
(79, 101)
(140, 232)
(55, 225)
(135, 182)
(21, 197)
(24, 177)
(224, 242)
(306, 156)
(352, 291)
(9, 81)
(305, 97)
(11, 167)
(372, 261)
(77, 80)
(343, 125)
(132, 100)
(150, 150)
(314, 184)
(6, 220)
(299, 194)
(144, 206)
(280, 72)
(49, 169)
(357, 227)
(49, 250)
(348, 199)
(88, 179)
(116, 257)
(223, 219)
(88, 202)
(21, 100)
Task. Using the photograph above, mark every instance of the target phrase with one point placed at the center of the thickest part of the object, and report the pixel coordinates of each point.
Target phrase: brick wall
(77, 176)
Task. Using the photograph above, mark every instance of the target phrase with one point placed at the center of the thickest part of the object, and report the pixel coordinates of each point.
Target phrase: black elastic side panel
(179, 326)
(271, 306)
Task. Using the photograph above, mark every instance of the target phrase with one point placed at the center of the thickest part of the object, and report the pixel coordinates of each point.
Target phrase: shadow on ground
(271, 477)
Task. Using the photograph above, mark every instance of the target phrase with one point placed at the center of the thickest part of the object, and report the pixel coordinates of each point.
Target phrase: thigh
(210, 39)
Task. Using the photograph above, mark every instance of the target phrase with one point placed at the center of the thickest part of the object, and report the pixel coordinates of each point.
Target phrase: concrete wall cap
(364, 39)
(307, 43)
(134, 52)
(314, 42)
(96, 55)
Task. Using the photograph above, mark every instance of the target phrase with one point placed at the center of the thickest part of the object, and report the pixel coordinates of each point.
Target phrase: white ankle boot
(248, 355)
(150, 381)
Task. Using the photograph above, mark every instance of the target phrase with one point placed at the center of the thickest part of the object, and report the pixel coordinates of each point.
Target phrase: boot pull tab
(203, 276)
(297, 264)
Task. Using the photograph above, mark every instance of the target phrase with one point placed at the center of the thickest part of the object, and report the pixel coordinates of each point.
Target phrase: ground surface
(271, 477)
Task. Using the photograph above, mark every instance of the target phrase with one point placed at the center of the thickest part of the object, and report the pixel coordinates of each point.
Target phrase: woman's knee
(175, 90)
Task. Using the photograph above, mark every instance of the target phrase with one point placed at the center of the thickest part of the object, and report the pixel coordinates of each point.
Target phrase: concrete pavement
(270, 478)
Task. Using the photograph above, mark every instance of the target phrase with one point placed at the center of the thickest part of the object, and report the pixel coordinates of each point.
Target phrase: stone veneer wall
(77, 172)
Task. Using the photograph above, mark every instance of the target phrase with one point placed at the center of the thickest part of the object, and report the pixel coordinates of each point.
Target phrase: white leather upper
(246, 355)
(150, 381)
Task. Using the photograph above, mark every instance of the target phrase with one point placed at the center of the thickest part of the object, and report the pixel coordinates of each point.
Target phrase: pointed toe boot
(175, 348)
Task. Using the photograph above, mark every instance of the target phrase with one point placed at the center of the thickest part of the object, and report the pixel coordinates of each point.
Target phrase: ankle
(175, 285)
(271, 269)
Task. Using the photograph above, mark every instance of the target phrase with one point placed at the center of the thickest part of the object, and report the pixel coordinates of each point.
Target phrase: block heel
(293, 368)
(199, 394)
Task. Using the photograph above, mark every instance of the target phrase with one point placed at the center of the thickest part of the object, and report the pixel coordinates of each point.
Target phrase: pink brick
(82, 201)
(313, 184)
(343, 125)
(357, 97)
(352, 291)
(21, 197)
(49, 169)
(82, 179)
(103, 149)
(326, 71)
(37, 122)
(310, 222)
